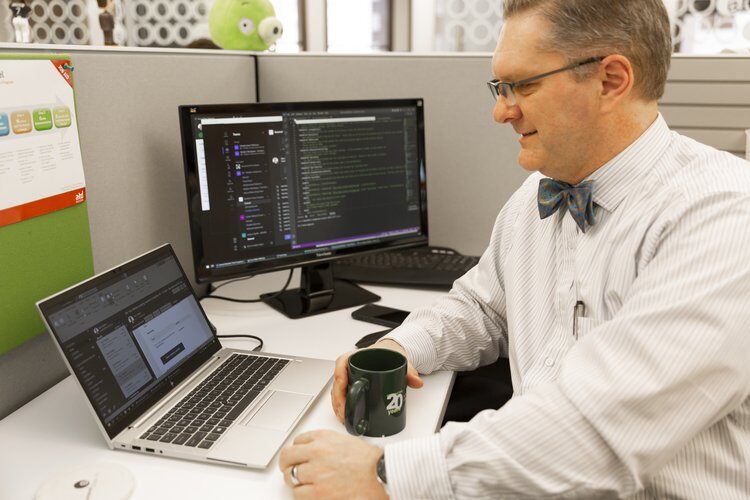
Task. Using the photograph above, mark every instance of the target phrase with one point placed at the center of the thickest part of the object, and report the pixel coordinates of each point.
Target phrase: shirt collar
(614, 180)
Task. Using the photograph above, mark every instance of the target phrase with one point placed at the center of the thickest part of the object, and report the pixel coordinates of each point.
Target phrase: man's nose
(505, 112)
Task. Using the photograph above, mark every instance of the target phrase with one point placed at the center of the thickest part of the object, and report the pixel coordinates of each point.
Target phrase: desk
(57, 429)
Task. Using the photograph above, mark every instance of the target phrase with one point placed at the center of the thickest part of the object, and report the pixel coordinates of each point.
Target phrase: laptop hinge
(172, 393)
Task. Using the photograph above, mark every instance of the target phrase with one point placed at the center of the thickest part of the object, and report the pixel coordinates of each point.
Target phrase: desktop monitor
(273, 186)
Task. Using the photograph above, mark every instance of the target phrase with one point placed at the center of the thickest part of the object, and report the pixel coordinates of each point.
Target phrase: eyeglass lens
(505, 90)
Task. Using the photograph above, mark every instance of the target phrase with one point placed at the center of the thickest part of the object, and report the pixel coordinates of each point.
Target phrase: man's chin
(529, 163)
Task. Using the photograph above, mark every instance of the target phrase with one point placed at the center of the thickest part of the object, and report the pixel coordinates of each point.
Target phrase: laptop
(156, 378)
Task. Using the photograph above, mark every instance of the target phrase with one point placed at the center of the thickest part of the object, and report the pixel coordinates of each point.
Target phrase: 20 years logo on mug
(395, 403)
(376, 393)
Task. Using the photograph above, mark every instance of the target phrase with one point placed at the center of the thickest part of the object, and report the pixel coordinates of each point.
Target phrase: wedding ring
(293, 476)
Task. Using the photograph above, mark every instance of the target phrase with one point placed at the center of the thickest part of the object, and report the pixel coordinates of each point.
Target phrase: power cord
(231, 281)
(249, 301)
(232, 336)
(257, 348)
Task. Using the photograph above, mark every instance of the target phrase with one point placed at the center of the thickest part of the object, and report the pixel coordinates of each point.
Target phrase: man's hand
(332, 465)
(341, 376)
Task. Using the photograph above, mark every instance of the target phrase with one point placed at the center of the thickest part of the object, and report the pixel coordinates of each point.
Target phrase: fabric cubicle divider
(471, 160)
(39, 255)
(130, 144)
(708, 99)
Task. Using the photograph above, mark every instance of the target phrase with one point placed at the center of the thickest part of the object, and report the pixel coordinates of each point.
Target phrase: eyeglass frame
(494, 85)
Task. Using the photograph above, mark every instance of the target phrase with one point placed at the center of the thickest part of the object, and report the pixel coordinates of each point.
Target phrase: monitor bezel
(203, 275)
(179, 374)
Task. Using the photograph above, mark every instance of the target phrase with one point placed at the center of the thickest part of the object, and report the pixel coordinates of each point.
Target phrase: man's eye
(525, 89)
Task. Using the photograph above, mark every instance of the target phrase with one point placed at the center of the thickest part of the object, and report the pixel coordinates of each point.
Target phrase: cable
(250, 301)
(231, 281)
(257, 348)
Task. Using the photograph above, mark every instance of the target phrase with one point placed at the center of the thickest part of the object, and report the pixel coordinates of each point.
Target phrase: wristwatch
(382, 479)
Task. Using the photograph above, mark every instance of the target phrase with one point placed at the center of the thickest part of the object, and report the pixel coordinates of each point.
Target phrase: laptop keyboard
(201, 417)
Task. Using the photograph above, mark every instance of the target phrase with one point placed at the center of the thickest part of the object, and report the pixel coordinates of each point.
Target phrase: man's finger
(306, 437)
(287, 471)
(304, 492)
(340, 380)
(338, 395)
(412, 378)
(300, 472)
(295, 454)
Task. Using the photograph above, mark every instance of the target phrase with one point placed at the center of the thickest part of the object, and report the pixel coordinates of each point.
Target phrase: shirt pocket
(586, 325)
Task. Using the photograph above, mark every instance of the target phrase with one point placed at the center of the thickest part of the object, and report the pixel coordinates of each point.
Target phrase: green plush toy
(244, 24)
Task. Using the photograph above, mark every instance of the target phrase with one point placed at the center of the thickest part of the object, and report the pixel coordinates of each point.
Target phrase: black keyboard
(424, 266)
(201, 417)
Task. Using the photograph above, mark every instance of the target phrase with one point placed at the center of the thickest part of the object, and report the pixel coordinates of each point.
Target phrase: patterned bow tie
(555, 194)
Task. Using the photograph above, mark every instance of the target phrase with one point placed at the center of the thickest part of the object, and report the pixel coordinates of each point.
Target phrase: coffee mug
(376, 393)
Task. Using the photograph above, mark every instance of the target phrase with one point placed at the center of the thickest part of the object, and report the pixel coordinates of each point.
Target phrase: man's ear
(617, 79)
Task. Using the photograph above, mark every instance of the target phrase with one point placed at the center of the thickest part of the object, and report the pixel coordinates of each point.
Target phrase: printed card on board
(40, 156)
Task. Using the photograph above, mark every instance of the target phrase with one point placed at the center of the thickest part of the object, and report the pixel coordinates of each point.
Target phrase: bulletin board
(45, 243)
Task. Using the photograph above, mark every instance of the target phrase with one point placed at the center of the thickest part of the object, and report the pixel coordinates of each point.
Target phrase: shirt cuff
(416, 468)
(419, 347)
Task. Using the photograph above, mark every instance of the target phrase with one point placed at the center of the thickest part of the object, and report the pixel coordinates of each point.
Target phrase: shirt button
(549, 362)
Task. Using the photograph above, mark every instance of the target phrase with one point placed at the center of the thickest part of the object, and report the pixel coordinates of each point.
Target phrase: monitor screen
(129, 333)
(274, 186)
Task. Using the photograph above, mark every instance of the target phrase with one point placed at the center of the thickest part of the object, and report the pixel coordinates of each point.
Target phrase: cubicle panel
(719, 68)
(130, 141)
(734, 93)
(127, 112)
(471, 160)
(708, 99)
(707, 116)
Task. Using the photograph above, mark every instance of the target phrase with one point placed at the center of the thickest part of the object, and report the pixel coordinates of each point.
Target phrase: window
(142, 23)
(466, 25)
(165, 23)
(288, 12)
(698, 26)
(710, 26)
(358, 26)
(58, 22)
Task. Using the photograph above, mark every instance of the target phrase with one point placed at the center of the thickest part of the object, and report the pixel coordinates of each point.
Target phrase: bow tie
(578, 199)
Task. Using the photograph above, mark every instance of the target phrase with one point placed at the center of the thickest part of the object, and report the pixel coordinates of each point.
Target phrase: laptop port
(150, 450)
(138, 448)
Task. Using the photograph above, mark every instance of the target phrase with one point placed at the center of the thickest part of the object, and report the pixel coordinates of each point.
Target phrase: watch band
(380, 474)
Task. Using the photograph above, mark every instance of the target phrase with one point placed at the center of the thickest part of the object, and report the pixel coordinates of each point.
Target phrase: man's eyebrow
(505, 78)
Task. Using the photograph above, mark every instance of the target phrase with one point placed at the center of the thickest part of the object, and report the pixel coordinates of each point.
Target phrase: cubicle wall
(129, 135)
(471, 161)
(708, 99)
(127, 110)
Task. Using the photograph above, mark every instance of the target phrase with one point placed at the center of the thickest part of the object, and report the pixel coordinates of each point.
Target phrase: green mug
(376, 393)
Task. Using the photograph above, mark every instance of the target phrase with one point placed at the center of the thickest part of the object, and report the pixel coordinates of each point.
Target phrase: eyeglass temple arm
(550, 73)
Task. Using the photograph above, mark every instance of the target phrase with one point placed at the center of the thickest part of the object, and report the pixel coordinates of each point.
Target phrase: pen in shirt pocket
(579, 310)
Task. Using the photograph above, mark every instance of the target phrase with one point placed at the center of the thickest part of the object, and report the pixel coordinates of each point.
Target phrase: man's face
(555, 117)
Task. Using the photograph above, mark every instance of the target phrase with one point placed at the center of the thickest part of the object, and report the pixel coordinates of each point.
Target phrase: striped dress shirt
(649, 397)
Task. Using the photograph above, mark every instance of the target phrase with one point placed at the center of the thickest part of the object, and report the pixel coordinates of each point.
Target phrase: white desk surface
(57, 429)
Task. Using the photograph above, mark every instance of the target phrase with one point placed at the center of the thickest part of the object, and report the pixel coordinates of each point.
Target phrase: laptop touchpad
(280, 411)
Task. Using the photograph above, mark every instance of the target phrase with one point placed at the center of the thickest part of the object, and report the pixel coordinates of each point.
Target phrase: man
(617, 280)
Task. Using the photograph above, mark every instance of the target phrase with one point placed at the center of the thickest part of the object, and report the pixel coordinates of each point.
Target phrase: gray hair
(636, 29)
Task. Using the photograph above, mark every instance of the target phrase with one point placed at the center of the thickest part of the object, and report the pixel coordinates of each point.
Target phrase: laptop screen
(128, 332)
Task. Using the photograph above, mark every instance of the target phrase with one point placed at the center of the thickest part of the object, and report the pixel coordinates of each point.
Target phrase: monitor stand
(319, 293)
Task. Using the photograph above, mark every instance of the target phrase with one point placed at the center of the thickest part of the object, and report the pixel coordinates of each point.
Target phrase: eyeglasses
(505, 89)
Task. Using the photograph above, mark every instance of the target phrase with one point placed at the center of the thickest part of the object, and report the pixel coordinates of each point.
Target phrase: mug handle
(355, 411)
